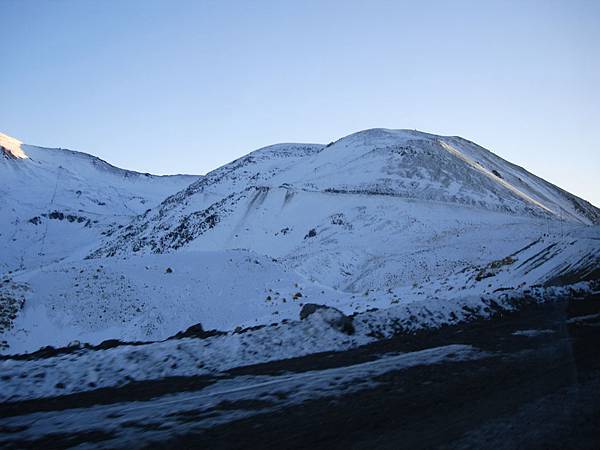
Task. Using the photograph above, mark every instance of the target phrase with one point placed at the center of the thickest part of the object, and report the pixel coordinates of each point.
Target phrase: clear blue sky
(185, 86)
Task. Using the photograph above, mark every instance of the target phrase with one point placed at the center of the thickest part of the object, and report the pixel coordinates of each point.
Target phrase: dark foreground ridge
(539, 391)
(535, 385)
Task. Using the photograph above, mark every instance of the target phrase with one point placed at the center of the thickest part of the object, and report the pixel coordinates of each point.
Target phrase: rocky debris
(340, 220)
(283, 231)
(492, 268)
(12, 300)
(332, 316)
(59, 215)
(312, 233)
(73, 347)
(198, 332)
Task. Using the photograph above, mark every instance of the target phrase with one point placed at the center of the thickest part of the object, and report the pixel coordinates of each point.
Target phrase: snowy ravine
(393, 220)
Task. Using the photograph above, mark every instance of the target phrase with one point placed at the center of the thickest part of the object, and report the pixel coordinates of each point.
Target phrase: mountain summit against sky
(11, 147)
(404, 164)
(376, 218)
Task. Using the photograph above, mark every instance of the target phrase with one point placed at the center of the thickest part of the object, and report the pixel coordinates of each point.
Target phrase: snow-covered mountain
(400, 163)
(55, 201)
(379, 208)
(377, 219)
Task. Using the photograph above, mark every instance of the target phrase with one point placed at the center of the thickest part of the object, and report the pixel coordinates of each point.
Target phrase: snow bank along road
(530, 380)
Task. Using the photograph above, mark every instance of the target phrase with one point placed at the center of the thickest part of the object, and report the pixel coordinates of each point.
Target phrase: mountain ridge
(401, 163)
(50, 192)
(373, 220)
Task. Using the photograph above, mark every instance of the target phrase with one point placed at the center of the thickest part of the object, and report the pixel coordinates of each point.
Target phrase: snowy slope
(78, 369)
(378, 219)
(398, 163)
(55, 201)
(376, 209)
(153, 297)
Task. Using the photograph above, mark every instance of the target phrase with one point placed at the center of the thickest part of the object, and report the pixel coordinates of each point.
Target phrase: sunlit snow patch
(12, 147)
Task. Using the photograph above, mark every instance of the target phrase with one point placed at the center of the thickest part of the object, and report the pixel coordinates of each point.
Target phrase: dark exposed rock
(11, 303)
(197, 331)
(109, 343)
(311, 233)
(310, 308)
(58, 215)
(332, 316)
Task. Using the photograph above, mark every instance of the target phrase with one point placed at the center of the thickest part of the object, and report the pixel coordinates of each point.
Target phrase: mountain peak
(11, 147)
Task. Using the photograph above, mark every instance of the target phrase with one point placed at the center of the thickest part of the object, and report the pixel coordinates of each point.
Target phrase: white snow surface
(307, 382)
(73, 372)
(401, 165)
(379, 219)
(55, 202)
(11, 147)
(153, 297)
